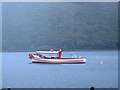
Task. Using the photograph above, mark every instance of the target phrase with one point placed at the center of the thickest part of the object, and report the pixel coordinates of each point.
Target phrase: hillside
(71, 26)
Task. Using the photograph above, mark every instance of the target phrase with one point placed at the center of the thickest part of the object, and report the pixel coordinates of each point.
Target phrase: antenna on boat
(75, 55)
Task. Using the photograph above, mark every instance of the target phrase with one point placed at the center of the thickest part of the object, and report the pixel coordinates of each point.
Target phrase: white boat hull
(59, 61)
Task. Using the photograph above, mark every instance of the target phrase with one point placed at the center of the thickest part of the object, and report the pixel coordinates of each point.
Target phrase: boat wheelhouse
(54, 57)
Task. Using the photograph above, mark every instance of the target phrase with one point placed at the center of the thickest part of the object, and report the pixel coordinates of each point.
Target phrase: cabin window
(50, 55)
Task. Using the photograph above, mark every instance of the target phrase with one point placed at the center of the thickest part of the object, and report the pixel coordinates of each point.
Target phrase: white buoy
(101, 62)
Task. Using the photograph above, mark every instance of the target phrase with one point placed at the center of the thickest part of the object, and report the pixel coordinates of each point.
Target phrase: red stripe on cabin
(48, 52)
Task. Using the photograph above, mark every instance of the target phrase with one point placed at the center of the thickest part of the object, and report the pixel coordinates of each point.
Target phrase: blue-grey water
(0, 70)
(18, 73)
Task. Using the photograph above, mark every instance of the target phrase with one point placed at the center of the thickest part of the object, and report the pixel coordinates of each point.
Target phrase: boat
(54, 57)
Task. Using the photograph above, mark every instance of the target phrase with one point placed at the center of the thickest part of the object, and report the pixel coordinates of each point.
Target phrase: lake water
(18, 73)
(0, 70)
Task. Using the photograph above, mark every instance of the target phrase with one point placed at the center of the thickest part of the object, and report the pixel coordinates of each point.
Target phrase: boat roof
(48, 52)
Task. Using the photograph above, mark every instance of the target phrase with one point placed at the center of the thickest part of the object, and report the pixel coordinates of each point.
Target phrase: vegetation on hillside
(71, 26)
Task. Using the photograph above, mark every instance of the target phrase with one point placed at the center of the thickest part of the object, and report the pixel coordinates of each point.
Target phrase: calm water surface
(0, 70)
(18, 73)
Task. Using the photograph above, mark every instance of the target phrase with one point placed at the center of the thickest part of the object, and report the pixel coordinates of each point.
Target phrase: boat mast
(60, 53)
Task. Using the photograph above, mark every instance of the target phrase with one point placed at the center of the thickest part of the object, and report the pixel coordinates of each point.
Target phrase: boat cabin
(49, 54)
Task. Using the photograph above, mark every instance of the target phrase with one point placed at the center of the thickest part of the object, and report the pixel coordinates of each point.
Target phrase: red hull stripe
(67, 58)
(62, 61)
(58, 59)
(58, 62)
(63, 58)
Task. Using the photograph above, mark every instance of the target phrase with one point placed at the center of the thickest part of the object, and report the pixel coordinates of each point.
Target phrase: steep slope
(71, 26)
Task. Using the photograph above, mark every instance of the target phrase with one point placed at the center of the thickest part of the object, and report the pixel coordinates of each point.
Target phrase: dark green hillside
(71, 26)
